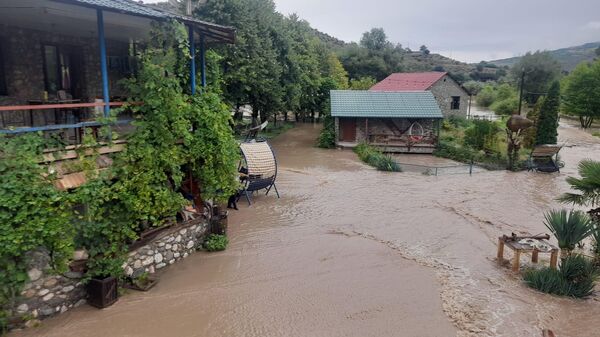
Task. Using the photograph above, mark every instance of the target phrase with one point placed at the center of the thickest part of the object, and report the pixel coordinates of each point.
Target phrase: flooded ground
(350, 251)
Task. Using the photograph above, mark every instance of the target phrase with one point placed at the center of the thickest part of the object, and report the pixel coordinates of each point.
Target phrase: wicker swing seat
(259, 168)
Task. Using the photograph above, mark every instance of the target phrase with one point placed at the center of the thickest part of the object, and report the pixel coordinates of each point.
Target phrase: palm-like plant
(569, 227)
(588, 185)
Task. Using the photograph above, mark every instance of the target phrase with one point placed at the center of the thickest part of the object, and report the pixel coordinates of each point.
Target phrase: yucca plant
(576, 278)
(569, 227)
(588, 186)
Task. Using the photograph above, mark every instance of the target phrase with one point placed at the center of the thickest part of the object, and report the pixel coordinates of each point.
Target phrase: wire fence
(436, 170)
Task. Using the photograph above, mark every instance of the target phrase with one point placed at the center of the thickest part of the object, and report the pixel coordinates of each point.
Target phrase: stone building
(452, 98)
(391, 121)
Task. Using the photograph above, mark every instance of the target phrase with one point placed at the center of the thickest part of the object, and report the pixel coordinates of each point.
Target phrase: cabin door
(348, 129)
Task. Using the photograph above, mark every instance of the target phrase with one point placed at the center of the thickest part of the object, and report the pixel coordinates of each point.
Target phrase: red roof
(409, 81)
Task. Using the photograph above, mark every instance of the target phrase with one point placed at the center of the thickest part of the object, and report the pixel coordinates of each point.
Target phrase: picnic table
(515, 244)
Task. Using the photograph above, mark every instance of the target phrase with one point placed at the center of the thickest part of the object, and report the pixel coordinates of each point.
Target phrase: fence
(436, 170)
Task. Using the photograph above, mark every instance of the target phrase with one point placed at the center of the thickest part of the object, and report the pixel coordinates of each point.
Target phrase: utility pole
(521, 90)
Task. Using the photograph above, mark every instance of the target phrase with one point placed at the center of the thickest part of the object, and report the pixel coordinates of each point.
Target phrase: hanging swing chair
(258, 168)
(416, 133)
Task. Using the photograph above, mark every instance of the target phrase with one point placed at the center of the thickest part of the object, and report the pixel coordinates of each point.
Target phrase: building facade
(451, 97)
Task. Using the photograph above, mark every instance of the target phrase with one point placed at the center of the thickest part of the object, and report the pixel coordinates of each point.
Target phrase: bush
(506, 106)
(569, 227)
(486, 96)
(376, 158)
(326, 139)
(215, 243)
(575, 278)
(482, 135)
(452, 151)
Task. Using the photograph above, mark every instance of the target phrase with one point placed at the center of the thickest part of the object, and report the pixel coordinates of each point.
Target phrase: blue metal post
(103, 66)
(203, 59)
(193, 61)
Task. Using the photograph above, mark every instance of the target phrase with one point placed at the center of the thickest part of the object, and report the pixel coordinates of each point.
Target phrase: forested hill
(567, 57)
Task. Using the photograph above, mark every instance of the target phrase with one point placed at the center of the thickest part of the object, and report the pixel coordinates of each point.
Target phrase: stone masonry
(443, 90)
(46, 295)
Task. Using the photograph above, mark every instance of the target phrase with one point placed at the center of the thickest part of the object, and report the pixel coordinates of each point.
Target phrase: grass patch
(575, 278)
(215, 243)
(376, 158)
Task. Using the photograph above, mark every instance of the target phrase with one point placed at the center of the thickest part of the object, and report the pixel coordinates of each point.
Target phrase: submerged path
(350, 251)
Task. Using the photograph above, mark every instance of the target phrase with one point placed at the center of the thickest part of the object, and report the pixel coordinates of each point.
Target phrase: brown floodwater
(350, 251)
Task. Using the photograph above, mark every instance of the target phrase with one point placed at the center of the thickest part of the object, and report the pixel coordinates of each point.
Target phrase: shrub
(376, 158)
(575, 278)
(452, 151)
(482, 135)
(326, 139)
(506, 106)
(215, 243)
(486, 96)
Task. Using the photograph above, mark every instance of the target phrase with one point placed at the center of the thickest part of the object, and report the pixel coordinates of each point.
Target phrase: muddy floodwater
(350, 251)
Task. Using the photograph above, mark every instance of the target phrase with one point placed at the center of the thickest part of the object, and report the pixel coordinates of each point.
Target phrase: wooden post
(500, 255)
(554, 259)
(367, 130)
(516, 261)
(534, 256)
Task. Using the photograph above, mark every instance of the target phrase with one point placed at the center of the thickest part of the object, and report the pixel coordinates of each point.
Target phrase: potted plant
(102, 281)
(215, 243)
(218, 222)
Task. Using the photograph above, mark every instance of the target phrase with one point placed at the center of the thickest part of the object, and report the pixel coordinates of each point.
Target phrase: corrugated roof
(409, 81)
(358, 103)
(211, 30)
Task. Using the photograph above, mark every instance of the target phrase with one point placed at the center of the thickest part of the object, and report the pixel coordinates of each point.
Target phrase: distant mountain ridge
(568, 57)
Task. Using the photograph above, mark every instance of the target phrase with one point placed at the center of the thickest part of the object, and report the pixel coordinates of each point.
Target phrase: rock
(48, 297)
(148, 261)
(79, 303)
(172, 261)
(43, 292)
(190, 244)
(168, 246)
(73, 274)
(137, 273)
(34, 274)
(23, 308)
(151, 270)
(137, 264)
(128, 271)
(175, 248)
(161, 244)
(183, 231)
(28, 293)
(34, 313)
(160, 265)
(168, 256)
(176, 255)
(150, 253)
(50, 283)
(158, 258)
(169, 239)
(80, 254)
(67, 289)
(185, 255)
(46, 311)
(178, 238)
(63, 309)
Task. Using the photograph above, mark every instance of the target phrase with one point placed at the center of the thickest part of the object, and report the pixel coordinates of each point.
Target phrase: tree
(540, 69)
(375, 39)
(364, 83)
(581, 95)
(587, 187)
(548, 119)
(424, 50)
(598, 51)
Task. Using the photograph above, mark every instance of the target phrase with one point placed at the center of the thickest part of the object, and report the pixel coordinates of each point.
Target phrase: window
(3, 88)
(455, 105)
(57, 69)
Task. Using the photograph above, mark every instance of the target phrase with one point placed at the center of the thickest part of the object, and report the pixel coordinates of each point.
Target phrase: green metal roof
(359, 103)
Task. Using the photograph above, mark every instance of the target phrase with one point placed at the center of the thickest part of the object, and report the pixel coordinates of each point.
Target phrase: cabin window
(455, 105)
(3, 88)
(57, 69)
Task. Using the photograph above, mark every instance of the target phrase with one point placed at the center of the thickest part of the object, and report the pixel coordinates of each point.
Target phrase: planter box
(102, 293)
(142, 286)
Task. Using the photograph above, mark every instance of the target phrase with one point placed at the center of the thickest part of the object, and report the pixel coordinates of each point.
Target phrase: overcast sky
(466, 30)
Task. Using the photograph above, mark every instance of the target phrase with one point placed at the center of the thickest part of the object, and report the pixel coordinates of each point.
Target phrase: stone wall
(47, 295)
(443, 90)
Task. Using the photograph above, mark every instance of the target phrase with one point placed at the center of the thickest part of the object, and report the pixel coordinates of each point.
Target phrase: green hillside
(568, 57)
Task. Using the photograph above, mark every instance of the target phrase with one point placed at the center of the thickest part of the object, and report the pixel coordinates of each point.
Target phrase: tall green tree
(538, 71)
(548, 120)
(581, 96)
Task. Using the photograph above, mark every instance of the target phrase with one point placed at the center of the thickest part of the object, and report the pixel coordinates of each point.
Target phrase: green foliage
(473, 87)
(581, 96)
(547, 124)
(540, 70)
(376, 158)
(569, 227)
(33, 213)
(456, 152)
(363, 83)
(588, 186)
(216, 243)
(575, 278)
(483, 135)
(486, 96)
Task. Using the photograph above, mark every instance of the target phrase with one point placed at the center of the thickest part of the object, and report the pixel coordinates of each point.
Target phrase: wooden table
(518, 249)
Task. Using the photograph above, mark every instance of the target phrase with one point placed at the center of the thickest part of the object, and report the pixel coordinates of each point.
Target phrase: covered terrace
(61, 60)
